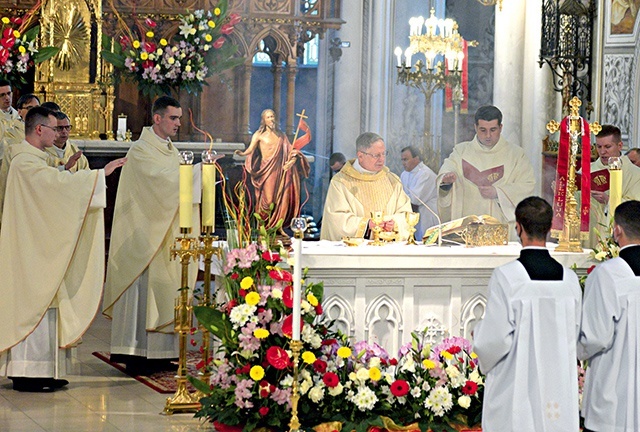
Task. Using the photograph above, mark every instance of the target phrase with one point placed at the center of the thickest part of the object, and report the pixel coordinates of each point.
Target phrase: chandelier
(491, 3)
(442, 47)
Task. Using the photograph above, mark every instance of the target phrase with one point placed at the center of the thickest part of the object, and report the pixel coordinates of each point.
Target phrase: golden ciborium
(378, 218)
(412, 220)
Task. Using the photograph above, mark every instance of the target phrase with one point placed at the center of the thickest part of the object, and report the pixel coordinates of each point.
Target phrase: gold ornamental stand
(185, 249)
(294, 424)
(207, 251)
(569, 239)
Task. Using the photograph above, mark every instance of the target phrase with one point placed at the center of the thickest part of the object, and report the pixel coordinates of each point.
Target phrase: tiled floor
(98, 398)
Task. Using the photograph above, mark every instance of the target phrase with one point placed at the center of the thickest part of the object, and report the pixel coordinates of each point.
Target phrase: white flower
(310, 336)
(185, 29)
(316, 394)
(276, 293)
(305, 375)
(240, 314)
(475, 377)
(458, 381)
(374, 362)
(305, 386)
(600, 256)
(464, 401)
(362, 374)
(408, 366)
(335, 391)
(439, 401)
(287, 381)
(365, 399)
(426, 386)
(305, 306)
(416, 392)
(352, 376)
(452, 371)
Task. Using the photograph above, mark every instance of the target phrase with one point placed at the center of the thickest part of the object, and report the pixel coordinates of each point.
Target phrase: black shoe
(37, 385)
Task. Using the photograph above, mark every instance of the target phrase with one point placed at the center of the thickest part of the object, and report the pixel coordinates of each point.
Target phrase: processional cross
(566, 221)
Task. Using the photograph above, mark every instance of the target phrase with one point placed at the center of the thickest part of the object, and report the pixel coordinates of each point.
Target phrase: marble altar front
(384, 293)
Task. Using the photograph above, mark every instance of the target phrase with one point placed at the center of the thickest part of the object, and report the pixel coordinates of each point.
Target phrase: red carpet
(162, 382)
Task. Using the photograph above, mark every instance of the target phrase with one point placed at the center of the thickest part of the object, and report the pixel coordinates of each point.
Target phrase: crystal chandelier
(443, 49)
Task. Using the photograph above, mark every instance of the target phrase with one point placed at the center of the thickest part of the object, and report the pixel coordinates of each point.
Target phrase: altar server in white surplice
(526, 343)
(51, 258)
(419, 183)
(142, 281)
(610, 332)
(486, 175)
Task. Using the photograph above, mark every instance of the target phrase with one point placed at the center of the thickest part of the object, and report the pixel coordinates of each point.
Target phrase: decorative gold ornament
(71, 35)
(412, 220)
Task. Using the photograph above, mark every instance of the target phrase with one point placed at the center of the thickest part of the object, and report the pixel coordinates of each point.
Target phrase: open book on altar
(472, 230)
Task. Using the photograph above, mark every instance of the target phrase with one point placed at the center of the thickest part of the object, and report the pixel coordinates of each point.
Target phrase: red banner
(306, 138)
(586, 178)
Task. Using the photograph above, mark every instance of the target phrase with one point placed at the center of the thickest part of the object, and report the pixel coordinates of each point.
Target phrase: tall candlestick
(208, 188)
(298, 226)
(615, 184)
(186, 189)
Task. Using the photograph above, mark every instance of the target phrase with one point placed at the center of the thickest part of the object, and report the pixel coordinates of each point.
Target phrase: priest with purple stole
(485, 176)
(526, 342)
(609, 332)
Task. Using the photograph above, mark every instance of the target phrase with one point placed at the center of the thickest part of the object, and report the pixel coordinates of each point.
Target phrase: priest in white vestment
(419, 183)
(365, 185)
(64, 154)
(609, 144)
(51, 279)
(142, 280)
(526, 342)
(486, 175)
(8, 115)
(610, 332)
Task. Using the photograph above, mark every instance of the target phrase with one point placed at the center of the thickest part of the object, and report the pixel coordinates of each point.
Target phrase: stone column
(292, 71)
(277, 89)
(246, 101)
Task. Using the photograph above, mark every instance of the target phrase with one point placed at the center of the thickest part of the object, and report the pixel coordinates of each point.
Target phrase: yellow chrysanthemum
(428, 364)
(375, 374)
(308, 357)
(344, 352)
(211, 24)
(150, 34)
(256, 373)
(208, 37)
(246, 283)
(261, 333)
(22, 49)
(16, 34)
(144, 56)
(136, 44)
(313, 301)
(216, 11)
(163, 42)
(474, 355)
(446, 354)
(252, 298)
(5, 20)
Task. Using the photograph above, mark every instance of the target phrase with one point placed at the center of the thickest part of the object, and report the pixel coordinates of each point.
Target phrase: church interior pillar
(292, 70)
(246, 101)
(277, 88)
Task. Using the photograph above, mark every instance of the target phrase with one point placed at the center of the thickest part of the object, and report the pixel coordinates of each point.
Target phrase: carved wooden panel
(272, 6)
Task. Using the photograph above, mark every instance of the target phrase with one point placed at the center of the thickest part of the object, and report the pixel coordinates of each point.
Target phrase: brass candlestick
(207, 251)
(185, 249)
(294, 424)
(569, 238)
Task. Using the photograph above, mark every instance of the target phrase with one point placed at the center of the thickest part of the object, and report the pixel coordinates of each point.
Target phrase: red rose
(235, 276)
(399, 388)
(234, 19)
(218, 43)
(263, 411)
(318, 309)
(590, 269)
(454, 350)
(330, 379)
(226, 29)
(287, 326)
(393, 362)
(273, 257)
(277, 357)
(470, 388)
(151, 23)
(320, 366)
(242, 293)
(287, 296)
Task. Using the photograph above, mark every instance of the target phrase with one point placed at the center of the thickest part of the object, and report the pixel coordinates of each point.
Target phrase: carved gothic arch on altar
(434, 329)
(472, 313)
(384, 323)
(339, 310)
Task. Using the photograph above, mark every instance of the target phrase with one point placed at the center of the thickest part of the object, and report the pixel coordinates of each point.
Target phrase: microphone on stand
(433, 213)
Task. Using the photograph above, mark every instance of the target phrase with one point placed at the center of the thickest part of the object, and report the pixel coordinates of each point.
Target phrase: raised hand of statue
(72, 160)
(292, 159)
(113, 165)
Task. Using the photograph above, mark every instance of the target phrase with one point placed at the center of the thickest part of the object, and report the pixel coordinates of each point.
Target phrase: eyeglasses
(53, 128)
(28, 107)
(377, 156)
(64, 128)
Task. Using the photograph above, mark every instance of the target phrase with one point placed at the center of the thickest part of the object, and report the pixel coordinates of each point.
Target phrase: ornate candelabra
(569, 237)
(436, 39)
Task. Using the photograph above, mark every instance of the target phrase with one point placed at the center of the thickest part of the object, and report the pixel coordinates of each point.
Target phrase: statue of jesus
(275, 168)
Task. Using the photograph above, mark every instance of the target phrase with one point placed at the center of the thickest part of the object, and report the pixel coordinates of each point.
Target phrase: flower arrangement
(606, 247)
(18, 48)
(197, 51)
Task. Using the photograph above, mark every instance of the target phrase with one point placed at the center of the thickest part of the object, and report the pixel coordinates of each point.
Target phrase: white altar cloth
(383, 293)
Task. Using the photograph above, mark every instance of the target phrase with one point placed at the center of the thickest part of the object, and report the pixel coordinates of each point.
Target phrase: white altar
(384, 293)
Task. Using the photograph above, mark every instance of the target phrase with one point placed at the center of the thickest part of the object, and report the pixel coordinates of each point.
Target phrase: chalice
(377, 218)
(412, 220)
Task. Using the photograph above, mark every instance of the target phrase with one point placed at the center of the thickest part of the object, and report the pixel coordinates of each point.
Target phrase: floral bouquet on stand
(199, 50)
(18, 47)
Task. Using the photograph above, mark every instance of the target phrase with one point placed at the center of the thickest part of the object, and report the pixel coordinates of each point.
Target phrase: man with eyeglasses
(8, 115)
(484, 176)
(25, 103)
(365, 185)
(51, 258)
(64, 154)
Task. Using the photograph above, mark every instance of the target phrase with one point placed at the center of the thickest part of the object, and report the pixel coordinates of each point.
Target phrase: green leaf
(116, 60)
(32, 33)
(215, 321)
(199, 385)
(45, 53)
